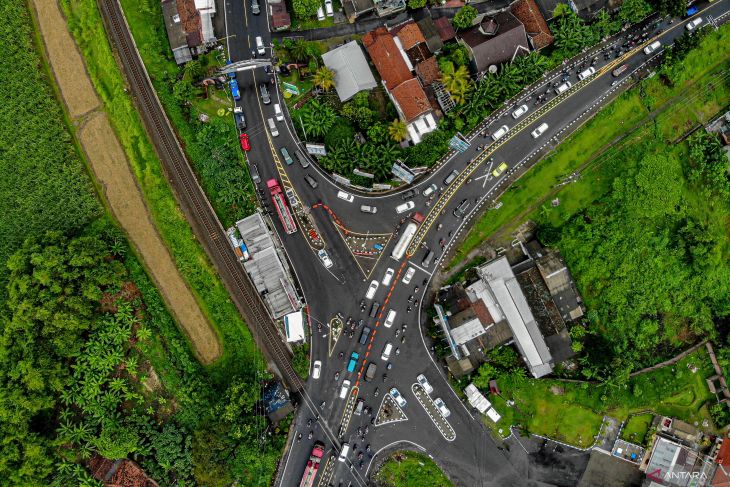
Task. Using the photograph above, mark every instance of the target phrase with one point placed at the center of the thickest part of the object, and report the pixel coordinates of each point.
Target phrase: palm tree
(318, 118)
(456, 81)
(299, 50)
(324, 77)
(398, 130)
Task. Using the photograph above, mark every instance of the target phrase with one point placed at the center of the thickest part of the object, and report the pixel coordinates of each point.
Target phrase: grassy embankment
(699, 95)
(86, 26)
(409, 469)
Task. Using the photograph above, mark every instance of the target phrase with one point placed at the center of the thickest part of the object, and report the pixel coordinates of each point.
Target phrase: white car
(521, 110)
(388, 277)
(371, 290)
(345, 196)
(325, 258)
(652, 47)
(398, 398)
(442, 407)
(386, 351)
(409, 275)
(389, 319)
(587, 73)
(430, 190)
(562, 88)
(328, 8)
(421, 379)
(260, 46)
(368, 209)
(501, 131)
(344, 389)
(320, 13)
(539, 130)
(316, 369)
(692, 25)
(407, 206)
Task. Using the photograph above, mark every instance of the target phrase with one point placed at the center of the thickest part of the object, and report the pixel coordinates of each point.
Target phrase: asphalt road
(472, 458)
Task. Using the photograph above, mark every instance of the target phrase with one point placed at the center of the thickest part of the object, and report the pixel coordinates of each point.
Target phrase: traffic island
(389, 412)
(336, 327)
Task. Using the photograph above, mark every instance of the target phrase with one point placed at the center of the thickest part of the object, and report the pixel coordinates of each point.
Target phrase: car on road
(620, 70)
(442, 407)
(587, 73)
(374, 309)
(322, 254)
(278, 113)
(316, 369)
(345, 196)
(265, 96)
(255, 7)
(272, 128)
(370, 371)
(328, 8)
(364, 335)
(450, 178)
(421, 379)
(427, 260)
(245, 144)
(460, 210)
(521, 110)
(368, 209)
(389, 319)
(240, 118)
(235, 92)
(407, 206)
(372, 289)
(353, 361)
(301, 158)
(652, 47)
(344, 452)
(409, 275)
(311, 181)
(255, 174)
(501, 132)
(260, 46)
(563, 88)
(430, 190)
(398, 398)
(500, 169)
(539, 130)
(693, 24)
(386, 351)
(287, 158)
(411, 193)
(388, 277)
(344, 389)
(359, 406)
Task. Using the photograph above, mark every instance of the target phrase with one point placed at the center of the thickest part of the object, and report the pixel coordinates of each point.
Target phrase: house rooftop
(352, 72)
(280, 18)
(353, 8)
(411, 99)
(410, 35)
(431, 33)
(537, 29)
(387, 57)
(496, 40)
(445, 29)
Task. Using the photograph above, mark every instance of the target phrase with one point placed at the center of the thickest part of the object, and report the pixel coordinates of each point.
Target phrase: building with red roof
(537, 29)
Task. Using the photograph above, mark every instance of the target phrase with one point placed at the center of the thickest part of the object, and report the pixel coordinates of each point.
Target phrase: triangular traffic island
(366, 248)
(336, 326)
(389, 412)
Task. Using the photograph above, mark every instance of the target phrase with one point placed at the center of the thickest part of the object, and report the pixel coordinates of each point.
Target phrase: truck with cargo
(282, 209)
(310, 471)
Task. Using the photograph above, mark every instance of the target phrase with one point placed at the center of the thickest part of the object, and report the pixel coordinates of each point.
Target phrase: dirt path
(114, 176)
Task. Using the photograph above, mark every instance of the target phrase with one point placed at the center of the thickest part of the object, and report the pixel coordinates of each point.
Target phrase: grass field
(86, 26)
(636, 428)
(699, 94)
(572, 412)
(409, 469)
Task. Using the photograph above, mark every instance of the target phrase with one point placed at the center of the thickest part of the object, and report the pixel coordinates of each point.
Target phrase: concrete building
(675, 464)
(352, 73)
(501, 293)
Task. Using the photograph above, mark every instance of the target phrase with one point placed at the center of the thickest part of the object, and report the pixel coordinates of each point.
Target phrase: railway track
(201, 215)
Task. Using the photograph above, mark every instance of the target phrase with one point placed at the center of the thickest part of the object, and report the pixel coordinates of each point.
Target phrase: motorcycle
(310, 435)
(342, 354)
(409, 309)
(377, 392)
(299, 437)
(385, 377)
(337, 376)
(397, 332)
(403, 339)
(397, 351)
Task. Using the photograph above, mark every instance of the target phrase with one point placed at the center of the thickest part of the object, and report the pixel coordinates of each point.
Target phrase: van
(287, 158)
(563, 88)
(255, 8)
(255, 174)
(539, 130)
(450, 178)
(374, 309)
(501, 131)
(652, 47)
(344, 389)
(344, 452)
(278, 113)
(427, 260)
(302, 158)
(430, 190)
(389, 319)
(260, 46)
(386, 351)
(272, 128)
(311, 181)
(587, 73)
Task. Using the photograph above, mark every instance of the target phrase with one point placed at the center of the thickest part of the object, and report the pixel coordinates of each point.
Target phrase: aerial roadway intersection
(374, 385)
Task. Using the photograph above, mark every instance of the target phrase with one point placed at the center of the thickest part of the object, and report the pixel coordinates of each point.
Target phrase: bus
(405, 239)
(282, 209)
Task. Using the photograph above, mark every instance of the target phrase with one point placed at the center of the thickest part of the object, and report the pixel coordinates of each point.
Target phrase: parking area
(433, 412)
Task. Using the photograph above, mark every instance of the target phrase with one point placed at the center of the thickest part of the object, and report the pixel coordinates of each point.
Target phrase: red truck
(310, 471)
(282, 209)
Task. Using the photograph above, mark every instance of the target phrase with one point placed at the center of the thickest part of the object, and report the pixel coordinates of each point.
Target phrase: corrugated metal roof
(352, 73)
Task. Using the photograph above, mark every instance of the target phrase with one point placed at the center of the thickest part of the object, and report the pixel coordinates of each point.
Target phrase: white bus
(405, 240)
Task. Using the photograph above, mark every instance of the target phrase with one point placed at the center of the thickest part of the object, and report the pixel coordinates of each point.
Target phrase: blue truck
(234, 89)
(353, 361)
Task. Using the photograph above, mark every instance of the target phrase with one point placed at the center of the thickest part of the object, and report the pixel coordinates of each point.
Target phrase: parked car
(398, 398)
(320, 13)
(245, 144)
(442, 407)
(240, 118)
(325, 258)
(328, 8)
(421, 379)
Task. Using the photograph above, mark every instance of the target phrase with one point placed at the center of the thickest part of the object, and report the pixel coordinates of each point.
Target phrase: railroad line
(191, 198)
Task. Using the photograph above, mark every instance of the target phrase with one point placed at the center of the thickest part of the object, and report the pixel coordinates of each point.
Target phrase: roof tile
(387, 57)
(412, 99)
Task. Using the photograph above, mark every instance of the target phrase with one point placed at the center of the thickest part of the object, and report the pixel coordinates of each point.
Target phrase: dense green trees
(464, 17)
(305, 9)
(708, 167)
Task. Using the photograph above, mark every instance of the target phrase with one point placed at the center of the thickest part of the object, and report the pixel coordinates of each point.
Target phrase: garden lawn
(409, 469)
(615, 120)
(636, 428)
(572, 412)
